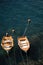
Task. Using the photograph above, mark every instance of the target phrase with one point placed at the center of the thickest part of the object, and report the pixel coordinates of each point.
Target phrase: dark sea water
(14, 15)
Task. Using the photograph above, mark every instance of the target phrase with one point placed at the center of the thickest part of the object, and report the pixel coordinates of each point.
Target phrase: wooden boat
(23, 43)
(7, 43)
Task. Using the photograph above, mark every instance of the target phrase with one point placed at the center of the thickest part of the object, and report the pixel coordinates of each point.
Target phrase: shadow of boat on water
(35, 54)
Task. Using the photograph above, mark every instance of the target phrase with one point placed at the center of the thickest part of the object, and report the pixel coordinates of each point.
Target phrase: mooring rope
(29, 21)
(15, 58)
(22, 58)
(25, 29)
(26, 58)
(9, 59)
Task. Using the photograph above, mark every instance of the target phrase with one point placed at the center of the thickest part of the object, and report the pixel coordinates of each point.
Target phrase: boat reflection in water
(7, 43)
(23, 43)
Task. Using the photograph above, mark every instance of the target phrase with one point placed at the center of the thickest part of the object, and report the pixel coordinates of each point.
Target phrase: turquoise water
(14, 15)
